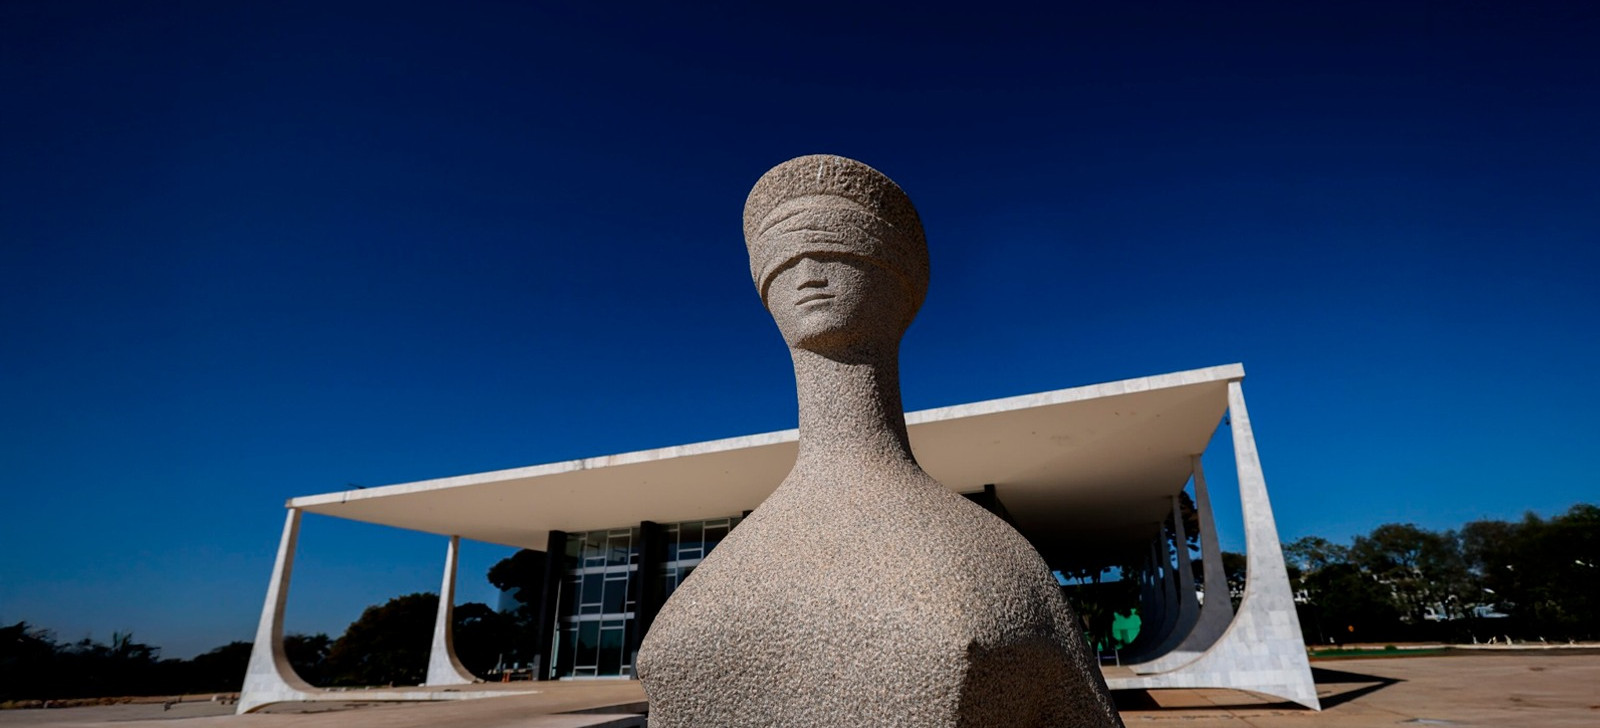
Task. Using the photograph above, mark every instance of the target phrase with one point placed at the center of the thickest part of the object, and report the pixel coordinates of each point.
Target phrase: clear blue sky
(259, 250)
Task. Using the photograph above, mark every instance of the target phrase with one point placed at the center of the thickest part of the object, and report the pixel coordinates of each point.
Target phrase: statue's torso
(868, 602)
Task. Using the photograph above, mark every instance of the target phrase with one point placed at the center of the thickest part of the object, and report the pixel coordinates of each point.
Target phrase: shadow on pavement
(1372, 683)
(1337, 687)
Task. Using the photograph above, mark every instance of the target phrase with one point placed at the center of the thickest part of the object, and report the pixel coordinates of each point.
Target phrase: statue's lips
(812, 298)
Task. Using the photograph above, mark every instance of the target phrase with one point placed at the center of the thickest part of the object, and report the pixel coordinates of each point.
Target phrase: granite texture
(862, 592)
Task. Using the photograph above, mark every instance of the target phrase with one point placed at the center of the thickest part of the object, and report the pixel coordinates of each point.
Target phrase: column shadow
(1372, 683)
(1346, 686)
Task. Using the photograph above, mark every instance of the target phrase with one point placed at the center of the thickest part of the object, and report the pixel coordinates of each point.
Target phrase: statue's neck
(850, 412)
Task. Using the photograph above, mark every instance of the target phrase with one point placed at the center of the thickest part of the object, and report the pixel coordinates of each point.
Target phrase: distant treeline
(388, 644)
(1531, 579)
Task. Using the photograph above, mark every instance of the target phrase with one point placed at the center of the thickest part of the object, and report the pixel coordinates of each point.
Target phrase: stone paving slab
(1552, 689)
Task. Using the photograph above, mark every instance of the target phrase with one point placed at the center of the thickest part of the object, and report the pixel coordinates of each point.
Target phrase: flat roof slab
(1093, 463)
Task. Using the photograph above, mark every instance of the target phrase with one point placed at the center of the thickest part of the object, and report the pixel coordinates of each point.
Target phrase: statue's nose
(812, 273)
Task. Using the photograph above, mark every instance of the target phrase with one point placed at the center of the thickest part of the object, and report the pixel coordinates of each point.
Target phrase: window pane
(689, 534)
(588, 643)
(568, 604)
(618, 552)
(715, 534)
(616, 594)
(568, 639)
(574, 547)
(610, 652)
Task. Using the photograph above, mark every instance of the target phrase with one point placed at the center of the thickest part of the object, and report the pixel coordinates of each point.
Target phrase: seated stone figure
(862, 592)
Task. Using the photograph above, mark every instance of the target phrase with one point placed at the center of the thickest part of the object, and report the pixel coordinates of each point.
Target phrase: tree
(308, 655)
(1423, 569)
(387, 645)
(28, 662)
(1546, 574)
(1314, 553)
(124, 667)
(1235, 567)
(483, 636)
(220, 670)
(1344, 603)
(521, 573)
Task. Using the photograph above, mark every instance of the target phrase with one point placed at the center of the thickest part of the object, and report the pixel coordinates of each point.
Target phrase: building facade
(1089, 475)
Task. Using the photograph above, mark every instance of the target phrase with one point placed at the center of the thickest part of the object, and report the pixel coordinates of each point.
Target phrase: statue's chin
(845, 350)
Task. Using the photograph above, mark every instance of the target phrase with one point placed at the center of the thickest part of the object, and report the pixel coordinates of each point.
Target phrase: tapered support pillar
(1216, 612)
(270, 678)
(1186, 608)
(444, 668)
(1169, 592)
(1262, 649)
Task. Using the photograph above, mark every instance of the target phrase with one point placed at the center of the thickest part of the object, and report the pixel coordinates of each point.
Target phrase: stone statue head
(837, 253)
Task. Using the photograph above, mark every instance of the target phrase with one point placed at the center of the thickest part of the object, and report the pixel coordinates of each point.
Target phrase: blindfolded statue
(861, 592)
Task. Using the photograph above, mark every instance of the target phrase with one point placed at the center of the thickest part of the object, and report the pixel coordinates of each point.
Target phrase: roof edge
(1220, 373)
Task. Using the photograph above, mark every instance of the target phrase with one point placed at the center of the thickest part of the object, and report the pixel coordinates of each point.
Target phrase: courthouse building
(1088, 474)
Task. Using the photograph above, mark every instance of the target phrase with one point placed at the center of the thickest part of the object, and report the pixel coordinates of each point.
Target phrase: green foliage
(1535, 579)
(34, 666)
(308, 655)
(387, 645)
(522, 574)
(1097, 605)
(1423, 569)
(1234, 568)
(484, 636)
(218, 671)
(1546, 573)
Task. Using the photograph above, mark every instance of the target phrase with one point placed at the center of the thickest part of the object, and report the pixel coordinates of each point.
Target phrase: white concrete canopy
(1088, 474)
(1096, 464)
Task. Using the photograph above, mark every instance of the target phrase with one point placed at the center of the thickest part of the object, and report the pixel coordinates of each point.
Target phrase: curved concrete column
(1150, 607)
(1261, 650)
(270, 678)
(1217, 610)
(1167, 592)
(1187, 608)
(444, 668)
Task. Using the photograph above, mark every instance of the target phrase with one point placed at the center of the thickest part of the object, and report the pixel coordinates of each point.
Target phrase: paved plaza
(1524, 689)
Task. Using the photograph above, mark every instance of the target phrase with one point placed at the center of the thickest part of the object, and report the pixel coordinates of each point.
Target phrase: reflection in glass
(689, 534)
(567, 640)
(597, 602)
(620, 547)
(610, 652)
(588, 644)
(616, 594)
(592, 585)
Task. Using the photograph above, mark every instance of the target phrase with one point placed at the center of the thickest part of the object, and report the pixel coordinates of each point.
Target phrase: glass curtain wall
(597, 605)
(687, 544)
